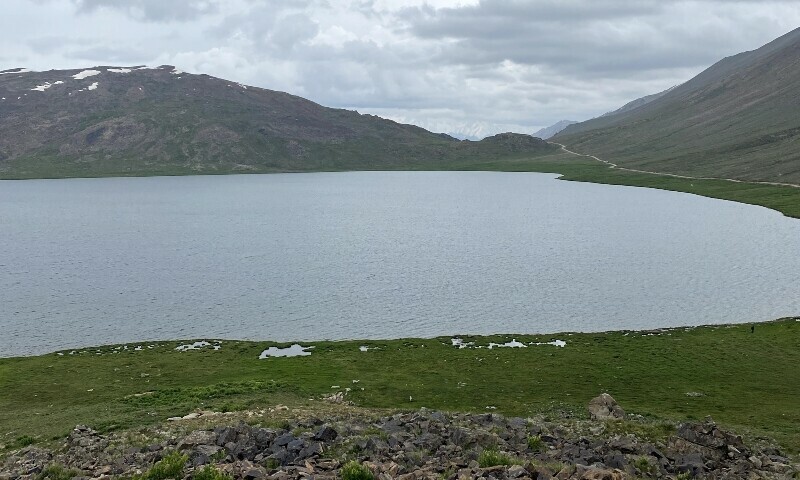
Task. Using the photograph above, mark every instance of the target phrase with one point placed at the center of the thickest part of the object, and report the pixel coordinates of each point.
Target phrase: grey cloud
(111, 55)
(609, 38)
(293, 29)
(495, 66)
(153, 10)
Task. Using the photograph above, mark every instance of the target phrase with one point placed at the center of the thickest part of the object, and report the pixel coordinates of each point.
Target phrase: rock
(601, 474)
(707, 434)
(417, 445)
(626, 444)
(516, 471)
(254, 474)
(461, 437)
(313, 449)
(604, 407)
(284, 439)
(616, 461)
(198, 437)
(691, 464)
(326, 434)
(263, 437)
(225, 435)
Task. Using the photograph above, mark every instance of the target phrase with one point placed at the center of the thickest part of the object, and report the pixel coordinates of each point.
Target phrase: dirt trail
(614, 165)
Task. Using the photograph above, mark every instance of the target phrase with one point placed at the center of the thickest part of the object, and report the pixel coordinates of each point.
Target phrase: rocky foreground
(419, 445)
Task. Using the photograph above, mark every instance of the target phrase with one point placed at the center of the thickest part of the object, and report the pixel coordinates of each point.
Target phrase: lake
(376, 255)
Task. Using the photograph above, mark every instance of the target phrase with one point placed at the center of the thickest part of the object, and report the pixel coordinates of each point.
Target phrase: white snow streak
(85, 74)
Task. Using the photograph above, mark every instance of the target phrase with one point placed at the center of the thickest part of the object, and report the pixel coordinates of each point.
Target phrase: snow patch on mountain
(45, 86)
(18, 70)
(86, 74)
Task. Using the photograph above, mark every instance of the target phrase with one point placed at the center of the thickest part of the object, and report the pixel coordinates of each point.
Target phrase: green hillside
(737, 119)
(109, 121)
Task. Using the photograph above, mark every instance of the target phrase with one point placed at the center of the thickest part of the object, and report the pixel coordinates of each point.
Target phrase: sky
(467, 67)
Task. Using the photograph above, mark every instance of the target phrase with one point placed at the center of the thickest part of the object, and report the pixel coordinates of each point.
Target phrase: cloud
(609, 38)
(153, 10)
(471, 66)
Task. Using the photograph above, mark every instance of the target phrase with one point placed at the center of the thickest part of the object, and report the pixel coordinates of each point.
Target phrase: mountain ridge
(112, 120)
(548, 132)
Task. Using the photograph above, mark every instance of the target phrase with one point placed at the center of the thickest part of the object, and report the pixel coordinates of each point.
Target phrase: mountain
(637, 103)
(737, 119)
(547, 132)
(106, 121)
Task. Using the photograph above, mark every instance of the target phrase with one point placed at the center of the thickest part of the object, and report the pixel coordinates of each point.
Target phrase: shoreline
(478, 337)
(575, 167)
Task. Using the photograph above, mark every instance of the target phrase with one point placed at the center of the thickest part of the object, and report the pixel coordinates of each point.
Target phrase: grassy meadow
(745, 380)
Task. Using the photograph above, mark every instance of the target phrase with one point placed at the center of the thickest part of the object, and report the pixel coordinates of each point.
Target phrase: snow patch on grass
(198, 345)
(293, 351)
(512, 344)
(460, 343)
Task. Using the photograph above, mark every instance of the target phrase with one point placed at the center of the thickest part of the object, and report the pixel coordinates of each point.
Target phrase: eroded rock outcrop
(419, 445)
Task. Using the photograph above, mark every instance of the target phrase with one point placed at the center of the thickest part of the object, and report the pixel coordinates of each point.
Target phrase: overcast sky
(461, 66)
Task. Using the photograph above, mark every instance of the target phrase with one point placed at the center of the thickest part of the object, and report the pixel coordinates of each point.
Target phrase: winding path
(614, 165)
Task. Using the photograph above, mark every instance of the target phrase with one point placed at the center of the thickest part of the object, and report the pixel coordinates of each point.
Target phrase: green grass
(209, 472)
(745, 378)
(535, 443)
(57, 472)
(492, 458)
(169, 467)
(644, 466)
(355, 471)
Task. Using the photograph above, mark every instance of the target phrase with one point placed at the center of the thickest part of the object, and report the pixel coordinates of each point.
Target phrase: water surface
(376, 255)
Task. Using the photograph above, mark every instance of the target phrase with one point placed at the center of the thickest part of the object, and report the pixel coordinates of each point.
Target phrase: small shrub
(57, 472)
(535, 443)
(355, 471)
(643, 464)
(219, 456)
(211, 473)
(171, 466)
(447, 474)
(492, 458)
(683, 476)
(22, 441)
(232, 407)
(272, 463)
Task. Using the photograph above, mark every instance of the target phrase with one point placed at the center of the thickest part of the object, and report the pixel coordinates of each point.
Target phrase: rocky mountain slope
(417, 445)
(107, 121)
(633, 104)
(553, 129)
(737, 119)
